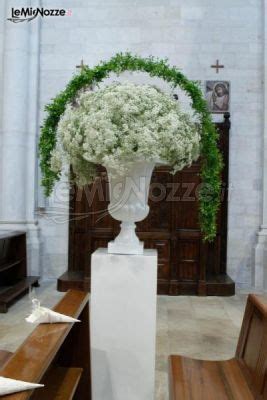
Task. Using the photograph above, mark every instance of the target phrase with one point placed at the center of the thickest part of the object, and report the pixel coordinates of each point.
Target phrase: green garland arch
(209, 194)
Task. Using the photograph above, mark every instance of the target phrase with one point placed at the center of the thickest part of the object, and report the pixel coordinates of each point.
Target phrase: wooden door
(185, 264)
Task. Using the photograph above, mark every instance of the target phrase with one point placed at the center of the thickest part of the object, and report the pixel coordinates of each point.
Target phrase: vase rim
(157, 162)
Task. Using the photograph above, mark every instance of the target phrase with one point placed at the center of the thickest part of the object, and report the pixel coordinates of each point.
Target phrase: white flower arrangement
(124, 122)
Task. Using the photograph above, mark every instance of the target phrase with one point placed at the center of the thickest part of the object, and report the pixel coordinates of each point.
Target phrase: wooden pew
(241, 378)
(57, 355)
(4, 357)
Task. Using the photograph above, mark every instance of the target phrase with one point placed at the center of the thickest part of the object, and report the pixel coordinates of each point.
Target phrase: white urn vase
(128, 204)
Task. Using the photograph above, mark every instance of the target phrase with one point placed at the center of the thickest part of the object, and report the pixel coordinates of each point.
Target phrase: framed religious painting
(218, 96)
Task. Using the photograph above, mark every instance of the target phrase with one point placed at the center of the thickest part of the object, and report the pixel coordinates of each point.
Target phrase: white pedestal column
(123, 325)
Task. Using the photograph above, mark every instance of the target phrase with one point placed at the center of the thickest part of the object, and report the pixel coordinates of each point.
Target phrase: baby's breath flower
(124, 121)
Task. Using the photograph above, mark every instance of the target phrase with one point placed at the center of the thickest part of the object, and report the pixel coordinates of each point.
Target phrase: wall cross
(217, 66)
(82, 65)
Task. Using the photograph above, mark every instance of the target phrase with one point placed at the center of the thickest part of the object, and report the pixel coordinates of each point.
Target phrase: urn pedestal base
(126, 242)
(123, 325)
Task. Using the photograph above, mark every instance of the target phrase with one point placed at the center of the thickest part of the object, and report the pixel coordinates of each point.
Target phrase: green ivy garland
(209, 195)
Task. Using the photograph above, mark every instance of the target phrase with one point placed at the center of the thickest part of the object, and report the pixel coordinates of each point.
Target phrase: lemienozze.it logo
(28, 13)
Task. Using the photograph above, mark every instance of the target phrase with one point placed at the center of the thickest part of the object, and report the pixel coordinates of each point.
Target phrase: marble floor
(200, 327)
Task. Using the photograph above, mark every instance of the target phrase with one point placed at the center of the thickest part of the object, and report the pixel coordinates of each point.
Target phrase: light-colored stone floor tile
(181, 321)
(184, 343)
(162, 321)
(162, 386)
(217, 327)
(162, 362)
(163, 330)
(179, 303)
(211, 355)
(236, 311)
(162, 343)
(213, 344)
(209, 310)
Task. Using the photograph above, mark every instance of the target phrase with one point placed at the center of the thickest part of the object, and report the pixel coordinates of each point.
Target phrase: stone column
(259, 275)
(19, 129)
(14, 125)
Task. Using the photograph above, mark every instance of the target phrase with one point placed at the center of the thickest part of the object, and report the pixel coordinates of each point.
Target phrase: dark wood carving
(186, 264)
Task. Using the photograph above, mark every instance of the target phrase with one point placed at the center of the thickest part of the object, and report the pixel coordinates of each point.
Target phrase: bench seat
(241, 378)
(207, 380)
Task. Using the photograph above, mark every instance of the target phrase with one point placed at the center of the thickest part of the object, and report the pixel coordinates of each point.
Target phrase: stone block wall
(192, 34)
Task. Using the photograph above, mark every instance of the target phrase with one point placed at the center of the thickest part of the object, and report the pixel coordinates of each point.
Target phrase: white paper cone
(9, 386)
(43, 315)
